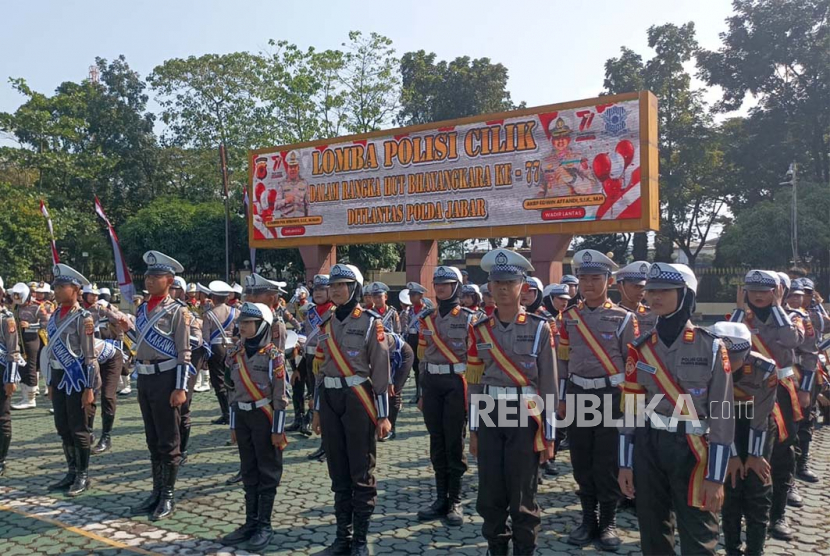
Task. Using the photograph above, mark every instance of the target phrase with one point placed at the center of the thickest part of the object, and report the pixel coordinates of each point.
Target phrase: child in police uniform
(258, 398)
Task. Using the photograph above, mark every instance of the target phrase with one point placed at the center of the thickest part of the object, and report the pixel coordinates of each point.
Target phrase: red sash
(346, 370)
(787, 383)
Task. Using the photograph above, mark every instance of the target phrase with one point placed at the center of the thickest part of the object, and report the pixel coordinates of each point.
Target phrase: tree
(780, 53)
(24, 240)
(433, 92)
(371, 81)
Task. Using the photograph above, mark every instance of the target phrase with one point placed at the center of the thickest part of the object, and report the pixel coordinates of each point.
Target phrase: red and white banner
(55, 258)
(125, 282)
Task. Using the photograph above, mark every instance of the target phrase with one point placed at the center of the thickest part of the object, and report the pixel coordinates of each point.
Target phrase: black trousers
(594, 450)
(445, 415)
(161, 422)
(5, 412)
(807, 425)
(31, 349)
(350, 442)
(507, 482)
(197, 357)
(110, 376)
(304, 386)
(783, 453)
(750, 499)
(261, 461)
(72, 421)
(412, 340)
(216, 368)
(663, 466)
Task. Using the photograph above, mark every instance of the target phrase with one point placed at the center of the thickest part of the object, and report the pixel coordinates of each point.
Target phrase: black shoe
(589, 528)
(264, 533)
(235, 479)
(246, 531)
(522, 550)
(564, 445)
(223, 420)
(5, 441)
(103, 445)
(781, 530)
(497, 549)
(805, 474)
(150, 503)
(550, 468)
(794, 499)
(82, 481)
(392, 435)
(318, 453)
(436, 510)
(360, 543)
(455, 515)
(415, 399)
(342, 545)
(184, 433)
(295, 424)
(305, 427)
(166, 503)
(608, 539)
(69, 478)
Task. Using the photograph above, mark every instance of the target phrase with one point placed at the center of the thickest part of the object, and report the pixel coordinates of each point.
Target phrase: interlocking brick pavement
(33, 521)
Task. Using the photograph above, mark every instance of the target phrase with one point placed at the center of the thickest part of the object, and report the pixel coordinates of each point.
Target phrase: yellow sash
(254, 391)
(439, 342)
(592, 343)
(788, 383)
(346, 370)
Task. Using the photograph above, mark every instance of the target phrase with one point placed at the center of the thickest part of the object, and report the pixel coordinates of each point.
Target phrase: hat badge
(587, 258)
(643, 268)
(56, 270)
(151, 259)
(501, 258)
(756, 276)
(654, 272)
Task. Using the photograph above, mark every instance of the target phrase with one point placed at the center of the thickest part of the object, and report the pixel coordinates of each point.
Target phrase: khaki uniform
(295, 199)
(159, 374)
(349, 410)
(780, 334)
(218, 326)
(11, 375)
(581, 372)
(106, 327)
(32, 338)
(444, 391)
(390, 318)
(261, 462)
(667, 474)
(198, 354)
(508, 457)
(646, 319)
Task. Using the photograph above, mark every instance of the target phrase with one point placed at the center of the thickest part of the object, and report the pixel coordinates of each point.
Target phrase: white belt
(785, 372)
(222, 342)
(597, 383)
(342, 382)
(435, 369)
(509, 392)
(153, 368)
(670, 424)
(250, 406)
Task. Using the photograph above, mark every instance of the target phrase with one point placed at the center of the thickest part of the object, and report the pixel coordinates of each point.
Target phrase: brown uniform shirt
(106, 321)
(390, 318)
(806, 354)
(454, 331)
(37, 318)
(267, 371)
(175, 325)
(212, 321)
(528, 344)
(756, 380)
(646, 319)
(79, 338)
(10, 344)
(613, 328)
(362, 341)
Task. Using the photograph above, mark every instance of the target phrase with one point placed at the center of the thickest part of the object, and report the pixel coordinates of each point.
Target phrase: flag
(125, 282)
(245, 202)
(55, 258)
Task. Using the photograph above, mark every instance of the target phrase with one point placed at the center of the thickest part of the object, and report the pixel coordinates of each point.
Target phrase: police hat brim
(758, 288)
(499, 276)
(638, 282)
(159, 272)
(444, 280)
(342, 280)
(592, 270)
(663, 285)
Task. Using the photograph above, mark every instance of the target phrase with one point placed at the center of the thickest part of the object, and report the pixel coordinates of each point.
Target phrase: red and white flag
(55, 258)
(246, 204)
(125, 281)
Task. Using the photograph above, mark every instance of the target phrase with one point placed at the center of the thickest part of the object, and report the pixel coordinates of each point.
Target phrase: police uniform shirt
(196, 325)
(806, 354)
(219, 314)
(362, 341)
(699, 364)
(646, 319)
(106, 321)
(756, 381)
(267, 370)
(79, 338)
(613, 328)
(390, 318)
(36, 315)
(453, 328)
(312, 337)
(11, 345)
(780, 333)
(174, 324)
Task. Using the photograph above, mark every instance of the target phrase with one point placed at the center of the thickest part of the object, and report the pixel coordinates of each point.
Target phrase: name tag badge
(484, 347)
(646, 368)
(427, 332)
(323, 337)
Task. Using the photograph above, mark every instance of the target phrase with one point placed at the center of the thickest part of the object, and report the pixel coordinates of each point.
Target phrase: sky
(554, 50)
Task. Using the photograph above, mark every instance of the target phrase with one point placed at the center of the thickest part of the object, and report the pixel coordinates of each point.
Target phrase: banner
(55, 258)
(577, 168)
(125, 281)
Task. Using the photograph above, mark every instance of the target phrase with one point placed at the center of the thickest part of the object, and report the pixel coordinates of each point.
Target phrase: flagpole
(223, 167)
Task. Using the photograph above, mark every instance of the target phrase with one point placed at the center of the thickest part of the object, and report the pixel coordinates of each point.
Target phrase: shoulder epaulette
(800, 312)
(85, 314)
(180, 302)
(483, 321)
(371, 313)
(537, 317)
(468, 310)
(426, 312)
(357, 312)
(642, 339)
(608, 304)
(642, 309)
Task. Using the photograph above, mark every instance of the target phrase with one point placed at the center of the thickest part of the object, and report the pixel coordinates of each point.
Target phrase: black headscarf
(253, 345)
(447, 305)
(670, 327)
(343, 311)
(762, 313)
(536, 303)
(548, 301)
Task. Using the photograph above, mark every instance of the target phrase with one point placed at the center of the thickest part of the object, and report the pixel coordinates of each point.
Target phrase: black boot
(296, 424)
(150, 503)
(550, 468)
(588, 529)
(5, 440)
(184, 434)
(441, 506)
(608, 539)
(779, 528)
(166, 504)
(235, 479)
(246, 531)
(305, 429)
(455, 511)
(801, 470)
(82, 481)
(71, 465)
(342, 545)
(105, 443)
(264, 533)
(318, 453)
(497, 548)
(794, 499)
(222, 398)
(360, 542)
(523, 550)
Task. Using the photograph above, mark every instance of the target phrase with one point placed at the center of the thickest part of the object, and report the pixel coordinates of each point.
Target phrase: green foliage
(24, 241)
